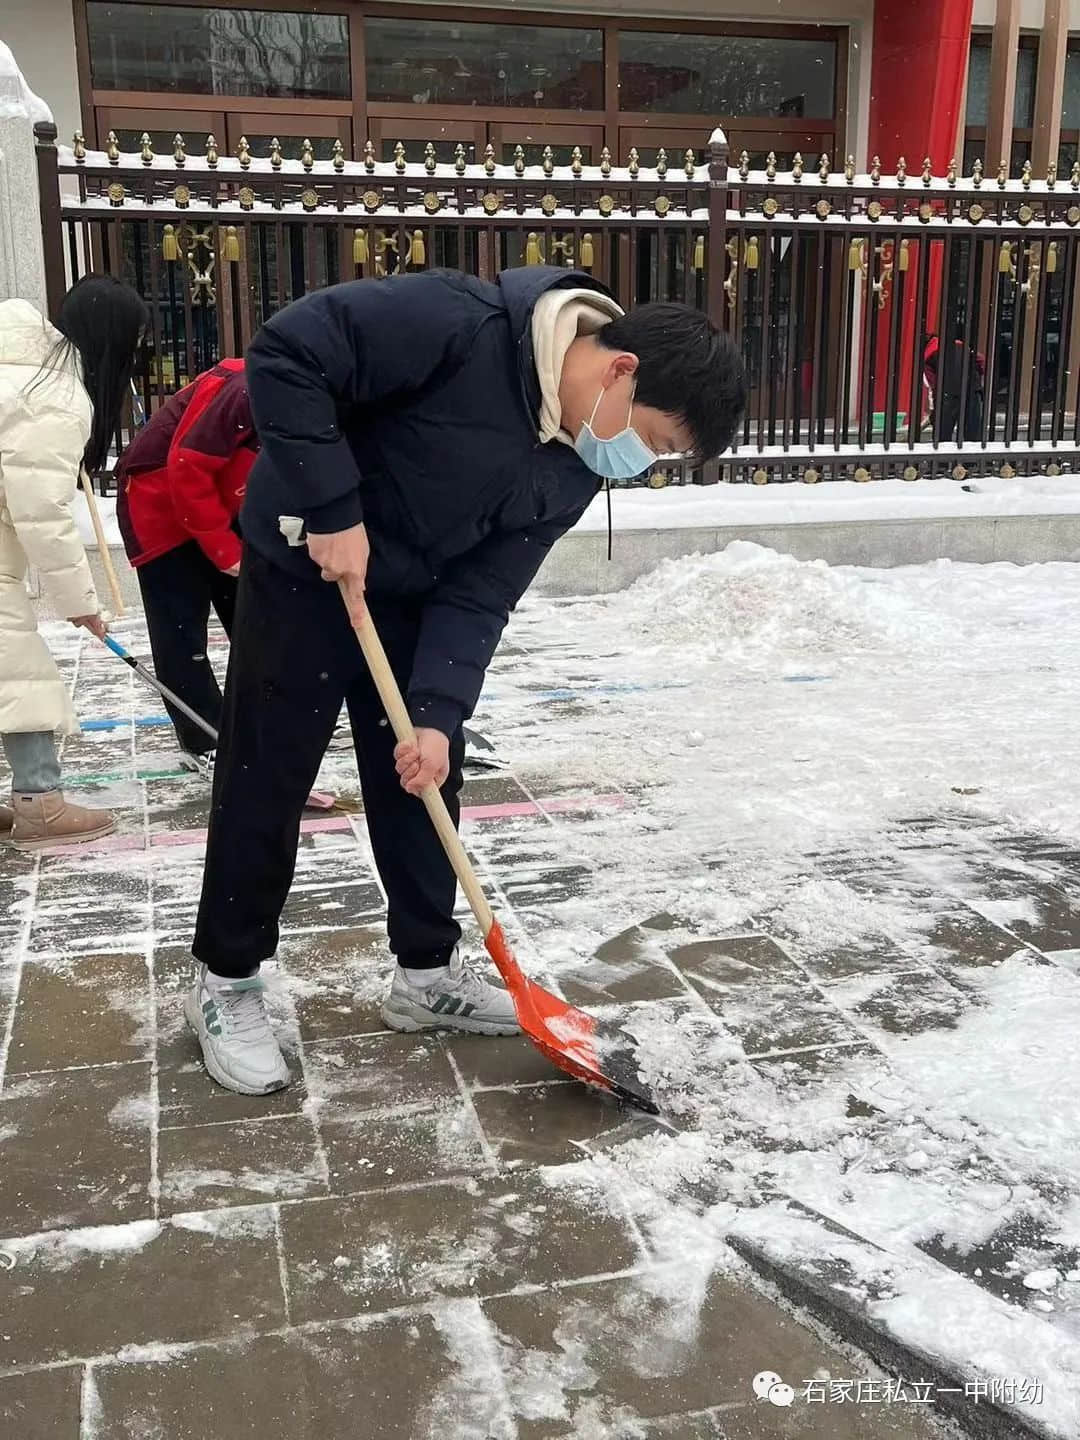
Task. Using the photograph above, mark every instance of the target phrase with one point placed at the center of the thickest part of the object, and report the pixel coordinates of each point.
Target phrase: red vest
(183, 476)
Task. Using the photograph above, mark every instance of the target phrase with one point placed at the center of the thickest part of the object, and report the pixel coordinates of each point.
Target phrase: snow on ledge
(710, 507)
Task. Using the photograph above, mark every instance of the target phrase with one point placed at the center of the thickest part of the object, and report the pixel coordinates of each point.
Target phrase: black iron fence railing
(893, 325)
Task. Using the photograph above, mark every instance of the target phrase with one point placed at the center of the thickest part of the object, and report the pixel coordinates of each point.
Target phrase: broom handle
(103, 548)
(398, 715)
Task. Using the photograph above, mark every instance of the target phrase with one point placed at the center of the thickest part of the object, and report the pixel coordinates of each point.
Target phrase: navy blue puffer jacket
(413, 404)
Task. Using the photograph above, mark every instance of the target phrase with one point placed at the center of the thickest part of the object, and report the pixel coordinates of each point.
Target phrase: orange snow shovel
(575, 1042)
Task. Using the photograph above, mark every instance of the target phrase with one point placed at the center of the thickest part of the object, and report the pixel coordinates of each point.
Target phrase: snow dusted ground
(866, 761)
(811, 836)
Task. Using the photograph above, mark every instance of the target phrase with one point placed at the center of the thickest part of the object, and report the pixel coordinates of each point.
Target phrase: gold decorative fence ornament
(112, 148)
(359, 247)
(744, 166)
(146, 150)
(399, 158)
(211, 152)
(275, 154)
(230, 244)
(79, 148)
(307, 155)
(459, 159)
(699, 254)
(548, 160)
(338, 156)
(565, 248)
(605, 162)
(634, 166)
(243, 153)
(519, 160)
(418, 250)
(575, 162)
(661, 163)
(369, 156)
(586, 258)
(489, 160)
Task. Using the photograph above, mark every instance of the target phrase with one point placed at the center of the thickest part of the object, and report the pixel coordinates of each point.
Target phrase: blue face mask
(622, 457)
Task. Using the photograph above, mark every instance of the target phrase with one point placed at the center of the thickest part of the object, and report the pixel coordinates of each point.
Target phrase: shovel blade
(583, 1046)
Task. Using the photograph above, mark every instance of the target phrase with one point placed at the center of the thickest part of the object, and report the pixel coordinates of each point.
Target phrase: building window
(978, 93)
(725, 75)
(186, 49)
(416, 61)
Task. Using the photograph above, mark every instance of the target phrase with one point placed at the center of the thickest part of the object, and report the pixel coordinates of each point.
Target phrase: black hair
(687, 368)
(102, 320)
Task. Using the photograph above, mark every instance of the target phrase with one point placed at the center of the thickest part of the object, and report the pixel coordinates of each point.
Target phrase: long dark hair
(102, 320)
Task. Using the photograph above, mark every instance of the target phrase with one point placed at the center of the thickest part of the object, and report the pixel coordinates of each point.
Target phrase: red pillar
(917, 77)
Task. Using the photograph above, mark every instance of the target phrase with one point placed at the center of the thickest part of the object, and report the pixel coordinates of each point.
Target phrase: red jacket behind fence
(184, 475)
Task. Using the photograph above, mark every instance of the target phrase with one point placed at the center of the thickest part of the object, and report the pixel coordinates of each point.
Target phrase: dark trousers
(178, 590)
(950, 416)
(294, 660)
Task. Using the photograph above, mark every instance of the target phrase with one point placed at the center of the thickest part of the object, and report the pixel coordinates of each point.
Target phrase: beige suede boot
(48, 819)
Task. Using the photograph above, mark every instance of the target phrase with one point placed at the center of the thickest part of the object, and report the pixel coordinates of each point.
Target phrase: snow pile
(17, 100)
(747, 605)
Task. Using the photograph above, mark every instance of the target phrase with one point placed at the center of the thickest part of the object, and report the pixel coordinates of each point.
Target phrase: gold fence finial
(230, 245)
(797, 166)
(79, 147)
(744, 165)
(750, 259)
(275, 153)
(369, 156)
(399, 158)
(1051, 175)
(875, 170)
(661, 162)
(418, 250)
(1051, 257)
(430, 160)
(690, 164)
(635, 163)
(927, 173)
(489, 159)
(1005, 264)
(586, 258)
(1026, 175)
(243, 153)
(1074, 177)
(459, 159)
(211, 152)
(951, 172)
(112, 148)
(699, 253)
(770, 165)
(170, 249)
(1002, 173)
(359, 246)
(146, 150)
(901, 171)
(977, 174)
(532, 249)
(823, 168)
(307, 155)
(519, 160)
(575, 160)
(339, 156)
(605, 162)
(849, 170)
(548, 159)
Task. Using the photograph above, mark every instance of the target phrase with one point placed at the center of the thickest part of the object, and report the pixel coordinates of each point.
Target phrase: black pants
(950, 416)
(294, 660)
(178, 590)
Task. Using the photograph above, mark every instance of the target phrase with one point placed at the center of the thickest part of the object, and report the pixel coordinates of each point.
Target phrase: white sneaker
(240, 1049)
(460, 1000)
(199, 764)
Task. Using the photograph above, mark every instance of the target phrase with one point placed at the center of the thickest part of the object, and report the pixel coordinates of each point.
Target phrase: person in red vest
(180, 486)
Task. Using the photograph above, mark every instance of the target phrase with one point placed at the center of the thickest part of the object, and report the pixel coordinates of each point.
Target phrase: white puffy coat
(43, 432)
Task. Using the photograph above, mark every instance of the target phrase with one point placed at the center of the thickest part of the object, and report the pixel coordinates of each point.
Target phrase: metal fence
(836, 284)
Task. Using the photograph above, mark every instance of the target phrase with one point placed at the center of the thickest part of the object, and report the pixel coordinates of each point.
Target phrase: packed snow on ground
(763, 712)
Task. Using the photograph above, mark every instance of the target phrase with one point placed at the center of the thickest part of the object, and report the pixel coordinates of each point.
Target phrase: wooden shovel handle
(398, 715)
(103, 544)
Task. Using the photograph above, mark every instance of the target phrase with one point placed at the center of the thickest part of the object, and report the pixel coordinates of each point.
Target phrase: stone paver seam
(491, 1160)
(21, 951)
(89, 1405)
(283, 1268)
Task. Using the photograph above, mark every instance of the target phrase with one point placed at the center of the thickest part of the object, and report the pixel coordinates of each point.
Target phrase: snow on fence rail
(894, 325)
